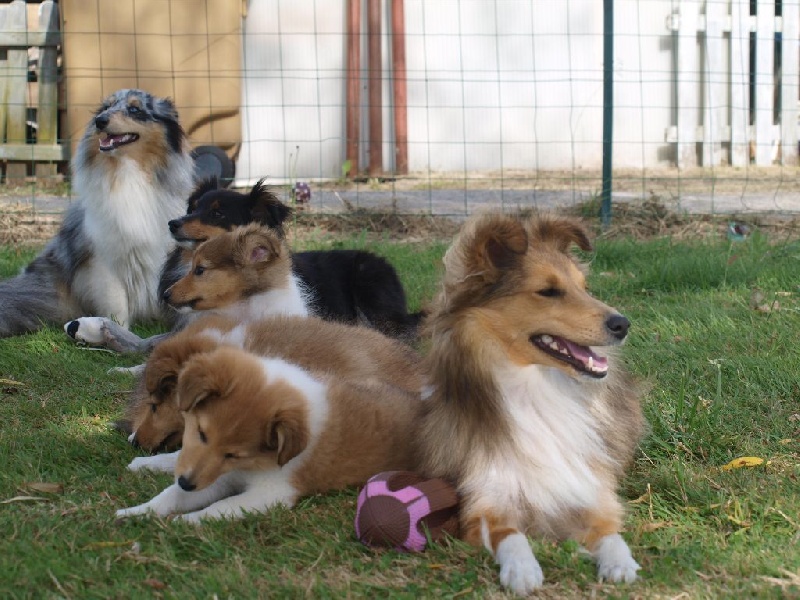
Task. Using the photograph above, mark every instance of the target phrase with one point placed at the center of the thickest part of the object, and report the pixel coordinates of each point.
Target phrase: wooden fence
(17, 38)
(737, 115)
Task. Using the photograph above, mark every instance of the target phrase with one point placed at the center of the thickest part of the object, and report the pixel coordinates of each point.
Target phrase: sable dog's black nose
(174, 225)
(166, 295)
(101, 121)
(185, 484)
(618, 326)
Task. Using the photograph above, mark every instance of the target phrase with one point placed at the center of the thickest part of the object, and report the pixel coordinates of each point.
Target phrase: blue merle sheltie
(131, 175)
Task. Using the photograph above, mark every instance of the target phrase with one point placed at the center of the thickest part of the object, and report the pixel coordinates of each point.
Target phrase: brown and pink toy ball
(400, 509)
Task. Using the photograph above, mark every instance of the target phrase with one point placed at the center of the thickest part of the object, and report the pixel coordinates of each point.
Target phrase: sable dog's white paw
(519, 569)
(614, 560)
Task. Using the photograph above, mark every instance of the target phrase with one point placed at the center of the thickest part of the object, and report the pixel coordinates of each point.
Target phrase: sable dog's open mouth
(579, 357)
(112, 141)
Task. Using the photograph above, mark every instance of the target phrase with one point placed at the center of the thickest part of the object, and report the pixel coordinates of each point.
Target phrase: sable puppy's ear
(159, 373)
(267, 209)
(202, 379)
(563, 233)
(286, 434)
(162, 369)
(257, 246)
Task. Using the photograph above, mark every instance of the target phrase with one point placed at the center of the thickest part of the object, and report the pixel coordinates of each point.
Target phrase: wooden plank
(47, 112)
(16, 127)
(26, 39)
(3, 78)
(739, 70)
(687, 82)
(765, 82)
(714, 88)
(33, 152)
(790, 81)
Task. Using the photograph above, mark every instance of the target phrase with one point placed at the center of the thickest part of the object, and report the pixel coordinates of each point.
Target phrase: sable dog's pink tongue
(584, 354)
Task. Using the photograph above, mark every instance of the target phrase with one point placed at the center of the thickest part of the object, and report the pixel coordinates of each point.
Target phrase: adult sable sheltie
(131, 174)
(529, 413)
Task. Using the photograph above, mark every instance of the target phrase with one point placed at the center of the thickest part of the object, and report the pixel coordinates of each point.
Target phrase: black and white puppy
(347, 286)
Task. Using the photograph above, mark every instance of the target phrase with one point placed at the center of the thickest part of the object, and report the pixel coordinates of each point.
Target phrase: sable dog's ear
(202, 379)
(499, 244)
(256, 246)
(563, 232)
(286, 434)
(267, 209)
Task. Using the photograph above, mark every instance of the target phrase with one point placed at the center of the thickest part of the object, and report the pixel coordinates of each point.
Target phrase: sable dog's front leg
(601, 538)
(519, 569)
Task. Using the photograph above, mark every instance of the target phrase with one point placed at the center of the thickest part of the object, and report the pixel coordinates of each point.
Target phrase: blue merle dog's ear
(166, 108)
(267, 209)
(205, 186)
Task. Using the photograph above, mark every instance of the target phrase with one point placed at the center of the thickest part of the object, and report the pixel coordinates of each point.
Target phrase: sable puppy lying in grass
(530, 414)
(262, 431)
(154, 419)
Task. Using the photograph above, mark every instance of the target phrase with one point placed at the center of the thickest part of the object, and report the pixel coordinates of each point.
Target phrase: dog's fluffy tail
(40, 294)
(30, 300)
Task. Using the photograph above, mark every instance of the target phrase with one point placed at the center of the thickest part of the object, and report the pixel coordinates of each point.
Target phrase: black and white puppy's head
(212, 210)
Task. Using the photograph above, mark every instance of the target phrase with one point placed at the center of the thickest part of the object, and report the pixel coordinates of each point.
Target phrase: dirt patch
(21, 226)
(652, 218)
(388, 225)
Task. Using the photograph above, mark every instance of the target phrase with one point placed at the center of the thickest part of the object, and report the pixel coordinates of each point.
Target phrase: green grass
(723, 381)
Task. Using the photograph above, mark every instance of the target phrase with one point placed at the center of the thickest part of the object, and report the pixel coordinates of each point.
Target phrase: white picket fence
(713, 49)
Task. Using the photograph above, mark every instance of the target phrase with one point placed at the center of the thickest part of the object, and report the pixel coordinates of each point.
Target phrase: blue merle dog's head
(136, 124)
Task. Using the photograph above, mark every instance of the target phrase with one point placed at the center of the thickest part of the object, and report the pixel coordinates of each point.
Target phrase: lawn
(719, 357)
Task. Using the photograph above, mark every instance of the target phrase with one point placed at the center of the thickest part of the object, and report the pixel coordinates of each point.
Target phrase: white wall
(492, 84)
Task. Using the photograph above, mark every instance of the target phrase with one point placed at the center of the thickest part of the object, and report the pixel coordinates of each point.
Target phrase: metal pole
(608, 108)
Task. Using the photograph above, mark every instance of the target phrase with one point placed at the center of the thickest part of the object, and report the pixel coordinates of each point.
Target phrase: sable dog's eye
(153, 408)
(217, 214)
(199, 270)
(203, 437)
(230, 455)
(551, 292)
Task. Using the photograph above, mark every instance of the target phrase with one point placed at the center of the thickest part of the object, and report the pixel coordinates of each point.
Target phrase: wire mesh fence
(440, 108)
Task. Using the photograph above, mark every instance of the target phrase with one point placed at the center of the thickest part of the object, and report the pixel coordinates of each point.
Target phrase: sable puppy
(130, 175)
(530, 413)
(261, 432)
(245, 274)
(154, 419)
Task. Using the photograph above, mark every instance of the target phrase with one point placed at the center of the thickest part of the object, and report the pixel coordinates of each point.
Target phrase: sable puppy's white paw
(159, 462)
